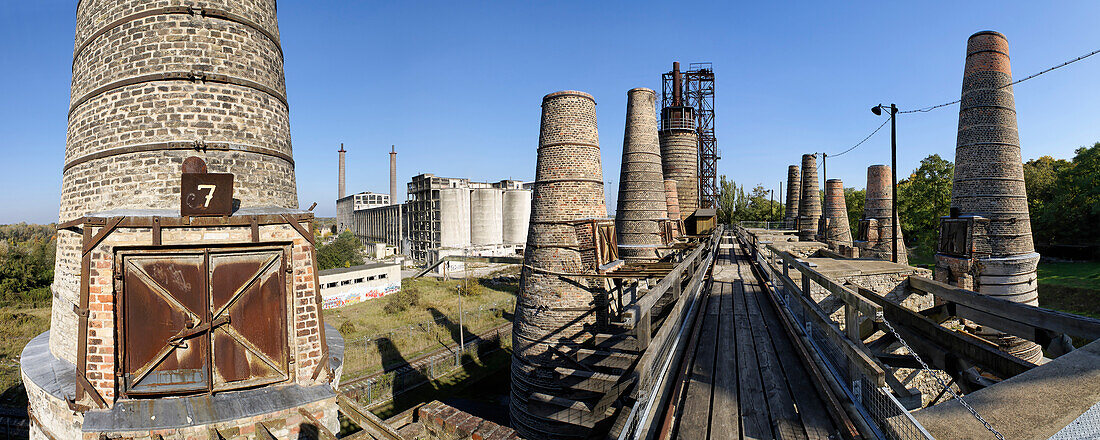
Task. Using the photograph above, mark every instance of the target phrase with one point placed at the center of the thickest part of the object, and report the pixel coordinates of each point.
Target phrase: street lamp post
(893, 173)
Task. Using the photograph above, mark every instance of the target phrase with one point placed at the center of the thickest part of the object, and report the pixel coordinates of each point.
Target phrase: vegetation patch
(390, 331)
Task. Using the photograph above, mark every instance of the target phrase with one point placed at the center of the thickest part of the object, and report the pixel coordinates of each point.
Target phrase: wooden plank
(864, 305)
(365, 419)
(725, 423)
(695, 420)
(810, 405)
(754, 410)
(1070, 324)
(781, 410)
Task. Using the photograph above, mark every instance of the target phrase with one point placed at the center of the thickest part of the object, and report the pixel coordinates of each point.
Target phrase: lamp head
(877, 110)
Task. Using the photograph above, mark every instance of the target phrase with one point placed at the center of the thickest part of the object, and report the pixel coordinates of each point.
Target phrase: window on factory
(381, 276)
(330, 285)
(345, 282)
(358, 280)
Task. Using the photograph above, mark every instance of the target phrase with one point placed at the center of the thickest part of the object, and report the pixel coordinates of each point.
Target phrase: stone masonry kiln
(184, 299)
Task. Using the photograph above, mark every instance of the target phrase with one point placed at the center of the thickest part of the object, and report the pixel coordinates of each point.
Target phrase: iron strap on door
(203, 320)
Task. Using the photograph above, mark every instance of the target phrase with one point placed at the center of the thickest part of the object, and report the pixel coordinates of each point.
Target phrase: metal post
(894, 176)
(466, 289)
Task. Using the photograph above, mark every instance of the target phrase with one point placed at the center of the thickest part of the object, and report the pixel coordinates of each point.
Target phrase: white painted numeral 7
(209, 195)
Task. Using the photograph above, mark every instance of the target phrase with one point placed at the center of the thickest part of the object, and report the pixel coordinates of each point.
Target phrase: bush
(470, 288)
(401, 301)
(347, 328)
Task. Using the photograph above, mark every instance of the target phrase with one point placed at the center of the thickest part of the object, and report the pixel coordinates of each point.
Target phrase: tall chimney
(988, 191)
(641, 201)
(876, 229)
(393, 175)
(794, 194)
(341, 185)
(552, 311)
(809, 206)
(837, 230)
(677, 85)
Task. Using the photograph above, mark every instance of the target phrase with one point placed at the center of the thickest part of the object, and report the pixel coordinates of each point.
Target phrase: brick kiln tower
(809, 206)
(672, 201)
(986, 244)
(876, 227)
(680, 151)
(837, 232)
(794, 194)
(149, 302)
(554, 311)
(641, 202)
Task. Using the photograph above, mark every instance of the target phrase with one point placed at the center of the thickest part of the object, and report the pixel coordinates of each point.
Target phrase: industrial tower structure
(696, 86)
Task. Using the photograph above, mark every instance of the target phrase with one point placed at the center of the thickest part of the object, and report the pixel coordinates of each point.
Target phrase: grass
(448, 385)
(377, 339)
(20, 325)
(1070, 287)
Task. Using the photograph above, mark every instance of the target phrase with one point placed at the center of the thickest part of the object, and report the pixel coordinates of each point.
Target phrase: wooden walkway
(741, 377)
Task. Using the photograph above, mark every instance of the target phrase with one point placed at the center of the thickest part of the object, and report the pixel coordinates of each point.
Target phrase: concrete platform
(1034, 405)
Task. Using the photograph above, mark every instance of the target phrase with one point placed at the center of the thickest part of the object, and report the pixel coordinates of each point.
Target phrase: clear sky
(456, 86)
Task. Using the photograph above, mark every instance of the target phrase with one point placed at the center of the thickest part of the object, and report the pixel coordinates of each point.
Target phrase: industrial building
(447, 216)
(344, 286)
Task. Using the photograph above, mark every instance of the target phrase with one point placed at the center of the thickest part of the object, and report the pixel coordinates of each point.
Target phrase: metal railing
(858, 375)
(666, 347)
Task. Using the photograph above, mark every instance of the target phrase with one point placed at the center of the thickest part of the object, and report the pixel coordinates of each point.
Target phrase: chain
(957, 397)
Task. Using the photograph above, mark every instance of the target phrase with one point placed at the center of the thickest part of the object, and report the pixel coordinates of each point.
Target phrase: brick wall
(122, 119)
(443, 422)
(642, 201)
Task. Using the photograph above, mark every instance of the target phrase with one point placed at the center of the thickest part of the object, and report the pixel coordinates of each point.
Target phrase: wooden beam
(958, 344)
(365, 419)
(1059, 322)
(856, 354)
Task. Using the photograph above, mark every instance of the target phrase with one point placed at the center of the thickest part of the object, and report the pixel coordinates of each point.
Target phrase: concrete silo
(454, 217)
(517, 215)
(486, 216)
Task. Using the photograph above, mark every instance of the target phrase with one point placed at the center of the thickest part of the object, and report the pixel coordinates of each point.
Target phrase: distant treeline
(1063, 199)
(26, 263)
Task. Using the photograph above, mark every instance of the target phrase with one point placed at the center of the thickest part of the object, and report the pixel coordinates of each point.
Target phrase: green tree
(345, 251)
(854, 200)
(1042, 177)
(1074, 208)
(923, 198)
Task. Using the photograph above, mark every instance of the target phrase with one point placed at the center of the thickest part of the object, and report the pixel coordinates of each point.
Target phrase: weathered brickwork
(221, 96)
(794, 195)
(988, 192)
(809, 205)
(552, 310)
(876, 227)
(444, 422)
(680, 161)
(642, 202)
(836, 232)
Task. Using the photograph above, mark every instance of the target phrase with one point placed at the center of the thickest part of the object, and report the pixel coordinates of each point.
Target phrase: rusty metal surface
(194, 164)
(248, 287)
(203, 320)
(206, 194)
(163, 301)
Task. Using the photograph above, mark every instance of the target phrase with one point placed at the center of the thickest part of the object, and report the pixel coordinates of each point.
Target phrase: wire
(864, 139)
(928, 109)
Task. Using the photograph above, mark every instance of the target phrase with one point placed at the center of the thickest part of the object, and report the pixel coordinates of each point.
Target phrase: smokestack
(837, 230)
(876, 229)
(342, 193)
(641, 202)
(988, 190)
(794, 194)
(393, 175)
(553, 311)
(677, 85)
(809, 206)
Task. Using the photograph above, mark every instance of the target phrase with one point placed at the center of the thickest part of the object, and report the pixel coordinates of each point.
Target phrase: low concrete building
(345, 286)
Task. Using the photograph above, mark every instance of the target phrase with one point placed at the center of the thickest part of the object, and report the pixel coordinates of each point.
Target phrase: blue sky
(456, 86)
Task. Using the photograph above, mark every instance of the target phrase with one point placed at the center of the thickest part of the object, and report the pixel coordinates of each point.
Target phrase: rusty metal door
(165, 311)
(248, 292)
(203, 320)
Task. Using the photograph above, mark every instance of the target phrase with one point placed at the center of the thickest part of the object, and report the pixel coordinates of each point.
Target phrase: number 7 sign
(206, 194)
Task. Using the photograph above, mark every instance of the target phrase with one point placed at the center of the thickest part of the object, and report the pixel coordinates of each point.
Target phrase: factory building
(346, 206)
(448, 215)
